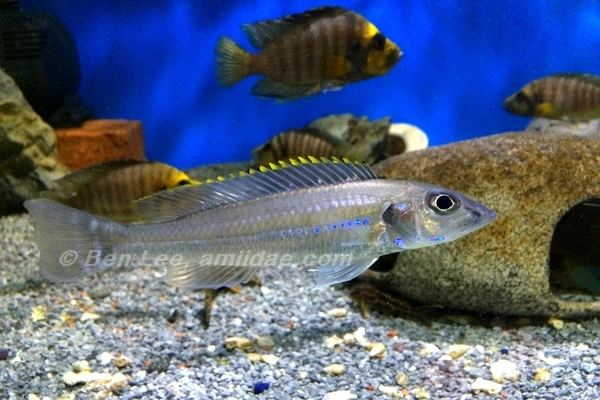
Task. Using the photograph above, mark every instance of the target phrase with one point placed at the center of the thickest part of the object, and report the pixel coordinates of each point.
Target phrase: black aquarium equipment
(39, 53)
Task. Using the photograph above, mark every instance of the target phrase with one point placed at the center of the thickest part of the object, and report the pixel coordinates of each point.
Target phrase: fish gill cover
(155, 61)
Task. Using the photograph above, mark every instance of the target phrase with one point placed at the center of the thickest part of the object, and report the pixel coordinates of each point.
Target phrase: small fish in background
(343, 135)
(573, 97)
(110, 189)
(302, 142)
(333, 217)
(308, 53)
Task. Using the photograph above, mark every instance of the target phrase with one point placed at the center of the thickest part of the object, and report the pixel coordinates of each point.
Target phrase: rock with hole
(540, 257)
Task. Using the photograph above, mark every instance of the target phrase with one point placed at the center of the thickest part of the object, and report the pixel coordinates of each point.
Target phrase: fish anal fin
(282, 91)
(195, 275)
(331, 274)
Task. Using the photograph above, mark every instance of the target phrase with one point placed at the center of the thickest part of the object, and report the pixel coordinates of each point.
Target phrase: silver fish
(330, 216)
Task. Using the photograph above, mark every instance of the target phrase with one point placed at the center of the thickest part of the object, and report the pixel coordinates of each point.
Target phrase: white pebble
(401, 379)
(73, 378)
(105, 358)
(337, 312)
(483, 385)
(118, 382)
(541, 375)
(504, 370)
(457, 350)
(421, 393)
(270, 359)
(376, 349)
(236, 321)
(349, 338)
(238, 342)
(428, 349)
(359, 336)
(340, 395)
(211, 348)
(333, 341)
(88, 316)
(335, 369)
(122, 361)
(392, 391)
(556, 323)
(81, 366)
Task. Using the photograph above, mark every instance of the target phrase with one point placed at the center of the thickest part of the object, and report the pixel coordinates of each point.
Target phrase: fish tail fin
(233, 62)
(72, 243)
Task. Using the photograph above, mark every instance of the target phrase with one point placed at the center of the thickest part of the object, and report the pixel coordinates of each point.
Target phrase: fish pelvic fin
(71, 242)
(233, 62)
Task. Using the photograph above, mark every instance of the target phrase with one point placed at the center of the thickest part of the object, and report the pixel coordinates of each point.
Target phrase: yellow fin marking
(294, 162)
(314, 160)
(220, 178)
(274, 167)
(283, 164)
(262, 168)
(252, 171)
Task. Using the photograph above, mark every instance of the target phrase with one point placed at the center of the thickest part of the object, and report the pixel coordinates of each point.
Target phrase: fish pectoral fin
(282, 91)
(331, 274)
(198, 276)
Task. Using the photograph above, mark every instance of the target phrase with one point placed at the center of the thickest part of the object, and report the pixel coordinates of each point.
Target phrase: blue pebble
(504, 351)
(261, 386)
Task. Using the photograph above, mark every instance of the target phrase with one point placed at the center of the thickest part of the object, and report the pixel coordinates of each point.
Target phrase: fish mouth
(483, 215)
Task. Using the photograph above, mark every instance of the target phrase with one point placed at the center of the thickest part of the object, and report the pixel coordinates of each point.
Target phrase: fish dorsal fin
(262, 33)
(282, 177)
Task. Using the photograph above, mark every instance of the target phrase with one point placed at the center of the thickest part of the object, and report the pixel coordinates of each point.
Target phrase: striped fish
(563, 96)
(300, 142)
(304, 54)
(110, 189)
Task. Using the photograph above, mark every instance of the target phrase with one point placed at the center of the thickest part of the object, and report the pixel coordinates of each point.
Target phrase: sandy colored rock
(531, 180)
(99, 141)
(27, 149)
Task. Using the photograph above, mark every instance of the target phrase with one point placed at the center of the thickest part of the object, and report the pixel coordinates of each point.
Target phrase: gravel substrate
(130, 336)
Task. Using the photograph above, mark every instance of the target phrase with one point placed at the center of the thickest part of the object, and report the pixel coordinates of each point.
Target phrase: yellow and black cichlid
(307, 53)
(110, 189)
(563, 96)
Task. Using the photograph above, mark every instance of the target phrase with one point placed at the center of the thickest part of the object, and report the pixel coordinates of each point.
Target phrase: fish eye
(443, 203)
(521, 97)
(183, 182)
(378, 41)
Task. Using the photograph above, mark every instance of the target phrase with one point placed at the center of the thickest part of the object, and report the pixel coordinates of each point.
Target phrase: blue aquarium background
(154, 61)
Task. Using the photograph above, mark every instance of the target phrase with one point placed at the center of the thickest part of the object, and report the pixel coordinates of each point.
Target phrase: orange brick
(98, 141)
